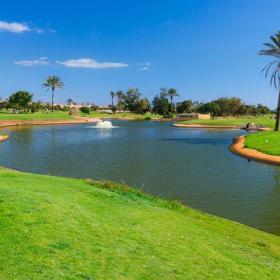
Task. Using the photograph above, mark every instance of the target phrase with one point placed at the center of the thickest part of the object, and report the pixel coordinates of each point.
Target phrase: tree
(112, 96)
(185, 106)
(229, 106)
(209, 108)
(52, 83)
(20, 100)
(143, 106)
(4, 104)
(171, 93)
(263, 110)
(273, 69)
(85, 110)
(121, 100)
(70, 102)
(132, 97)
(94, 107)
(161, 104)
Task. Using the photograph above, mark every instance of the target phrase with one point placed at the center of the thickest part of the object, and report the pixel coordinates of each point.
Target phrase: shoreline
(206, 126)
(237, 147)
(8, 123)
(77, 120)
(4, 138)
(202, 126)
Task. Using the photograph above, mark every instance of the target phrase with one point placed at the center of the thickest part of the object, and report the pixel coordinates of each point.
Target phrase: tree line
(21, 101)
(225, 106)
(133, 101)
(163, 104)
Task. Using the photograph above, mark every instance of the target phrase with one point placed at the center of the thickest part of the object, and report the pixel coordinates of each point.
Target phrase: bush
(85, 110)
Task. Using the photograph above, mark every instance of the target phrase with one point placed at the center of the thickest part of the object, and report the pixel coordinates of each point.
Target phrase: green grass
(267, 142)
(42, 115)
(235, 121)
(61, 228)
(60, 115)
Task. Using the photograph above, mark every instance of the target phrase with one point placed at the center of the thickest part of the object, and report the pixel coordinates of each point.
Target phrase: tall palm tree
(52, 83)
(273, 69)
(171, 93)
(112, 96)
(70, 102)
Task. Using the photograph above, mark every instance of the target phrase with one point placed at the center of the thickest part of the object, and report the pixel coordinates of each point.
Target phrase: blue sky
(204, 48)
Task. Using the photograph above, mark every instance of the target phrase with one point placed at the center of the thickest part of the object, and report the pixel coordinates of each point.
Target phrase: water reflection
(277, 177)
(193, 166)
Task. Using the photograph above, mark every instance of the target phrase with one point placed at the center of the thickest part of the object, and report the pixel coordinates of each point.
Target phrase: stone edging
(237, 147)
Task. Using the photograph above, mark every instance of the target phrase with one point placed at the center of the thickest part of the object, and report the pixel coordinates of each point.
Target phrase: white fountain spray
(104, 124)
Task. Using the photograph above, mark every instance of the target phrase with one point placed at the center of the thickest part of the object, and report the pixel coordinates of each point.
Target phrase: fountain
(104, 124)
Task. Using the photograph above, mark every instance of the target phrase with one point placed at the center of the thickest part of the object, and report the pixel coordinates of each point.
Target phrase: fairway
(267, 142)
(60, 228)
(41, 115)
(266, 121)
(61, 115)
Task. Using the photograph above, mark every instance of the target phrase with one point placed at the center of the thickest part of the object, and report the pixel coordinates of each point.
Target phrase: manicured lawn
(60, 228)
(60, 115)
(56, 115)
(235, 121)
(267, 142)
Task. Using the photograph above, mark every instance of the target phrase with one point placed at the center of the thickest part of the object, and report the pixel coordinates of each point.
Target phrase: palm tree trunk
(277, 114)
(52, 98)
(171, 101)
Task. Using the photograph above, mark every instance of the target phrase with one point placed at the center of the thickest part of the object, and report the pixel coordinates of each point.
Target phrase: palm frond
(273, 72)
(53, 82)
(273, 47)
(275, 40)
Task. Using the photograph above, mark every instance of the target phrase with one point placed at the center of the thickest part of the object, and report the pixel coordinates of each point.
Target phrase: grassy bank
(61, 228)
(267, 121)
(267, 142)
(60, 115)
(42, 115)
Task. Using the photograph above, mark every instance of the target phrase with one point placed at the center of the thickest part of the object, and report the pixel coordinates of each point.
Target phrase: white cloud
(41, 61)
(14, 27)
(17, 27)
(91, 63)
(145, 66)
(40, 30)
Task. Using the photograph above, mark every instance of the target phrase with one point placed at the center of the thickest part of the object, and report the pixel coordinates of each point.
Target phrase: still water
(193, 166)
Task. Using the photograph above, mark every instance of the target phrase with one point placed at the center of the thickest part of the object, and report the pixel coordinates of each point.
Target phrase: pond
(193, 166)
